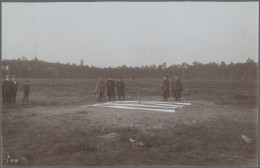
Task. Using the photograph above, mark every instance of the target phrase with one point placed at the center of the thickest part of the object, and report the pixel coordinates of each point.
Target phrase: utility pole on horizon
(35, 59)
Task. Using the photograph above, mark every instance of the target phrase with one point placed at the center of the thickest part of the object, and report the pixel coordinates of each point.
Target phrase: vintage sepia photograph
(129, 83)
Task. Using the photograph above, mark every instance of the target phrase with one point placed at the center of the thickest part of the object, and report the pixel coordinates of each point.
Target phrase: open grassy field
(56, 129)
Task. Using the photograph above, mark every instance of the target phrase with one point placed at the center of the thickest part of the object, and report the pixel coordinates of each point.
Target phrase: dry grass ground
(56, 129)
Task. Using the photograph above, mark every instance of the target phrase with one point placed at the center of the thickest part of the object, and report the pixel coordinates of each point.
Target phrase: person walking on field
(120, 85)
(14, 89)
(165, 86)
(7, 91)
(26, 89)
(111, 88)
(177, 88)
(100, 89)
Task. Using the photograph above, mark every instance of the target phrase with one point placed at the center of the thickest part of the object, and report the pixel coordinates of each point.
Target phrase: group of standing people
(176, 88)
(110, 85)
(9, 90)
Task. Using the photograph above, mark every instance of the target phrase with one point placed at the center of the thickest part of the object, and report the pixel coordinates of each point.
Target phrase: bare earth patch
(207, 133)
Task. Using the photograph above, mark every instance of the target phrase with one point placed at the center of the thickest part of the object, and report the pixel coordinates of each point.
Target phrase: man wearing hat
(14, 89)
(111, 88)
(120, 89)
(26, 89)
(6, 90)
(165, 86)
(177, 88)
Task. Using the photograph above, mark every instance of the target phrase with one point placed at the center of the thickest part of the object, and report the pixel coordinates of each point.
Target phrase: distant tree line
(23, 68)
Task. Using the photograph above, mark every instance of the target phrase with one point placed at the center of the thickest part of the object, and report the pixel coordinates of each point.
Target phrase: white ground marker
(143, 105)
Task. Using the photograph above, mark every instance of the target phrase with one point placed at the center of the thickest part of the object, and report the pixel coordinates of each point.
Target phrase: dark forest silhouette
(23, 68)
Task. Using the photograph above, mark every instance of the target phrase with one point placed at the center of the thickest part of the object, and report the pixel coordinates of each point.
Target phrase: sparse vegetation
(56, 129)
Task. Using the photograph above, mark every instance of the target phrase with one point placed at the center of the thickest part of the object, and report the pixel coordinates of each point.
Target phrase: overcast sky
(131, 33)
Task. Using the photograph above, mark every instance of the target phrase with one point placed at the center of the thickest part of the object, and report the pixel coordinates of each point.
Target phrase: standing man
(26, 89)
(120, 89)
(111, 88)
(177, 88)
(100, 89)
(165, 86)
(6, 90)
(14, 89)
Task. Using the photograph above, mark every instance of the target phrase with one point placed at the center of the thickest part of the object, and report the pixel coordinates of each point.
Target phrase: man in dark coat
(165, 86)
(111, 88)
(6, 91)
(100, 89)
(177, 88)
(26, 89)
(120, 89)
(14, 89)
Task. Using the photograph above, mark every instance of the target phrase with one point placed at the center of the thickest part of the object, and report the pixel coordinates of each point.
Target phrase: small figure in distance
(165, 86)
(177, 88)
(26, 89)
(100, 89)
(7, 91)
(111, 88)
(120, 85)
(14, 89)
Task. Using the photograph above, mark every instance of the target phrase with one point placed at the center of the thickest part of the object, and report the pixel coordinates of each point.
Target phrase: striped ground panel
(143, 105)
